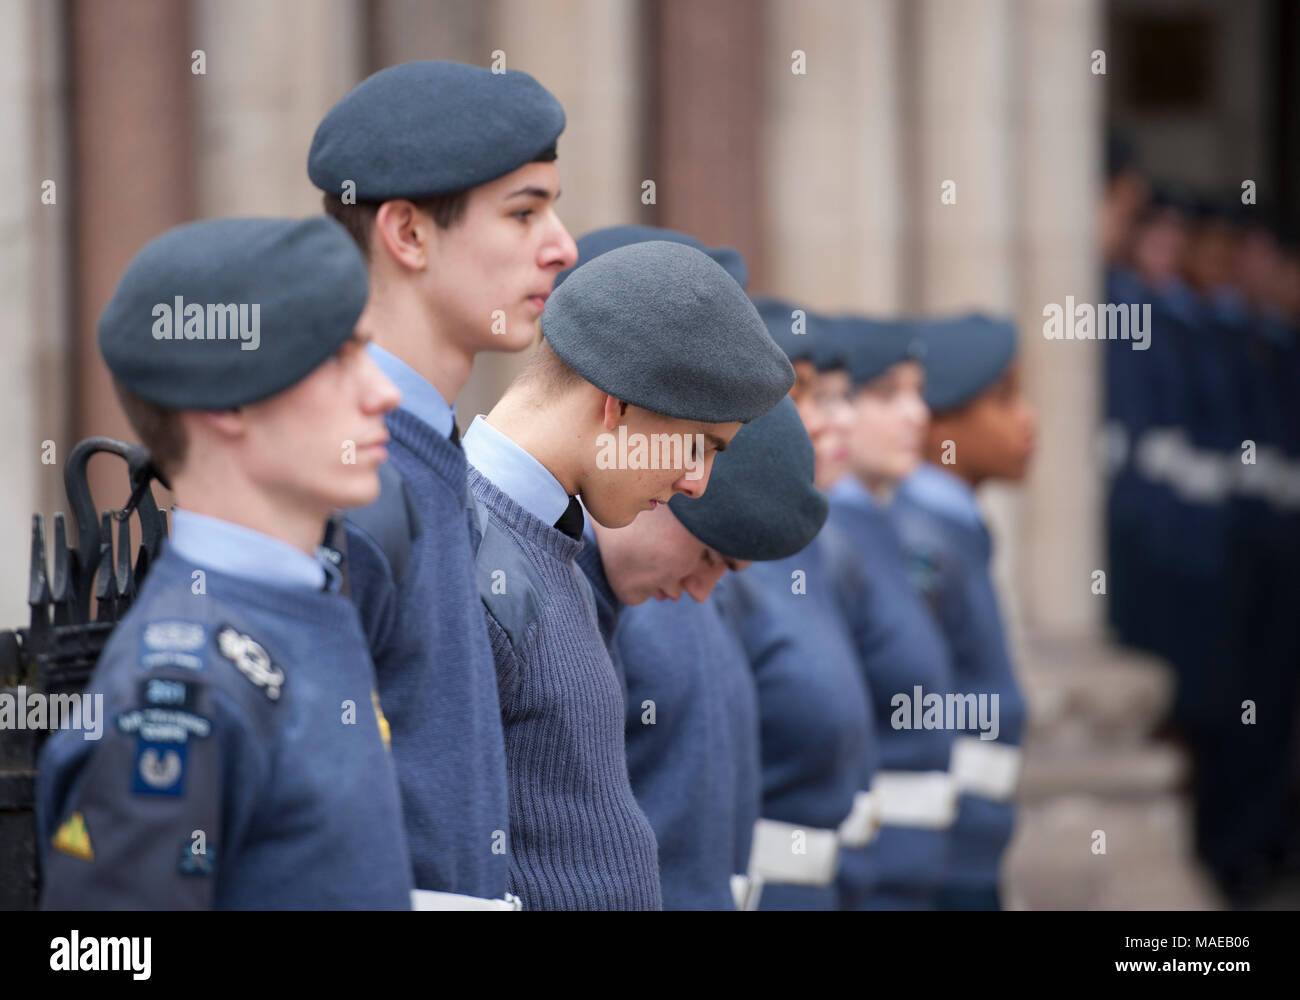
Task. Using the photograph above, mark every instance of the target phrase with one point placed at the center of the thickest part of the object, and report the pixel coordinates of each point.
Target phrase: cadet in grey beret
(761, 503)
(795, 328)
(869, 347)
(964, 355)
(601, 241)
(661, 326)
(226, 312)
(432, 127)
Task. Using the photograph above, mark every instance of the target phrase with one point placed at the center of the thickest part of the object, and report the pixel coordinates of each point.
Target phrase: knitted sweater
(579, 839)
(435, 673)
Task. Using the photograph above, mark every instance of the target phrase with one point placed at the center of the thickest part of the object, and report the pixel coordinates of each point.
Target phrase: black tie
(454, 436)
(571, 520)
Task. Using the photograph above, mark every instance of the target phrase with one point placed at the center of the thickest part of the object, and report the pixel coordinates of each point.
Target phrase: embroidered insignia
(251, 660)
(159, 768)
(73, 838)
(384, 729)
(173, 644)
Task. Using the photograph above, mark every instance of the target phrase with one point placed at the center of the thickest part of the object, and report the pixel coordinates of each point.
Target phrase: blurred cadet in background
(982, 429)
(818, 749)
(902, 650)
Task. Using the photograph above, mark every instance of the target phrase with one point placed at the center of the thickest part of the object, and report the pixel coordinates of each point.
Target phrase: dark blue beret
(432, 127)
(611, 238)
(661, 326)
(760, 502)
(798, 331)
(872, 346)
(964, 355)
(216, 314)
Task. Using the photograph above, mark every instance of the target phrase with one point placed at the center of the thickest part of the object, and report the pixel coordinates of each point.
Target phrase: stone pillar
(832, 202)
(133, 176)
(35, 391)
(1056, 255)
(272, 71)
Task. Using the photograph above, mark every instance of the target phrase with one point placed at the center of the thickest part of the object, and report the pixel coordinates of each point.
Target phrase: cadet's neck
(406, 327)
(287, 520)
(551, 433)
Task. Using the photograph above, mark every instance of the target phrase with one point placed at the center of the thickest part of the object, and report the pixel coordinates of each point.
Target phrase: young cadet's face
(319, 444)
(656, 557)
(490, 273)
(832, 392)
(621, 482)
(993, 434)
(889, 420)
(816, 421)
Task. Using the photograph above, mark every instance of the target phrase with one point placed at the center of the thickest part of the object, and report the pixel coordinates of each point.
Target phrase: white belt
(741, 887)
(793, 855)
(862, 822)
(985, 767)
(427, 899)
(925, 799)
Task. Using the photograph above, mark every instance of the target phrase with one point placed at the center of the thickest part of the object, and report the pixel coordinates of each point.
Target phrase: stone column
(272, 71)
(133, 174)
(35, 389)
(832, 203)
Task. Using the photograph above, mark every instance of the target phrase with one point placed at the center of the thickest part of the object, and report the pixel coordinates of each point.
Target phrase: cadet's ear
(614, 410)
(400, 229)
(223, 423)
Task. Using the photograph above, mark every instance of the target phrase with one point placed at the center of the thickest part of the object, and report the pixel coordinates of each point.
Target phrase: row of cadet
(1203, 432)
(483, 691)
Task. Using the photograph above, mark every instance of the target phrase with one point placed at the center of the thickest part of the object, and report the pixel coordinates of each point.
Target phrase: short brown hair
(159, 429)
(549, 372)
(358, 218)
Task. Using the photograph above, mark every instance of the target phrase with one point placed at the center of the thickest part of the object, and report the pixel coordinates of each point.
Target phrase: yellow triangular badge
(384, 731)
(73, 838)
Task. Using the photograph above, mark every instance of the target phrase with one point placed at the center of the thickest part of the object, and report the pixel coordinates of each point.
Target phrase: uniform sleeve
(145, 816)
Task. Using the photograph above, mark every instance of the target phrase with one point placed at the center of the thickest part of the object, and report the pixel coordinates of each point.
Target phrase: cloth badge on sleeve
(173, 644)
(159, 768)
(251, 660)
(73, 838)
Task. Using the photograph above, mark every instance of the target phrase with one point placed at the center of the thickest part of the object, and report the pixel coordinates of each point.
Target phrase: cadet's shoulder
(509, 583)
(385, 530)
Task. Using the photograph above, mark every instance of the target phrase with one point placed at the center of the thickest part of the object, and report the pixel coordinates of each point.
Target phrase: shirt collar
(514, 472)
(945, 493)
(851, 490)
(419, 397)
(238, 551)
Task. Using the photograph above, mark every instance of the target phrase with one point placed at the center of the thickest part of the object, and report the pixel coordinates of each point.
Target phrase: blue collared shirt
(945, 493)
(419, 397)
(851, 490)
(514, 472)
(238, 551)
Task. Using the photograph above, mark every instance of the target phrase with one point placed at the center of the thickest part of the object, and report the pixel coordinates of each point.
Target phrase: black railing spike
(39, 598)
(66, 570)
(125, 574)
(106, 577)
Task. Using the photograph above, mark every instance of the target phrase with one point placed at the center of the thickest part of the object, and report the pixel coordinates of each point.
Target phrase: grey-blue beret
(217, 314)
(662, 326)
(870, 347)
(432, 127)
(964, 355)
(798, 331)
(760, 502)
(602, 241)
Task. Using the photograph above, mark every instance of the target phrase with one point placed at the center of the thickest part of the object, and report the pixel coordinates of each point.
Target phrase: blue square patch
(159, 768)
